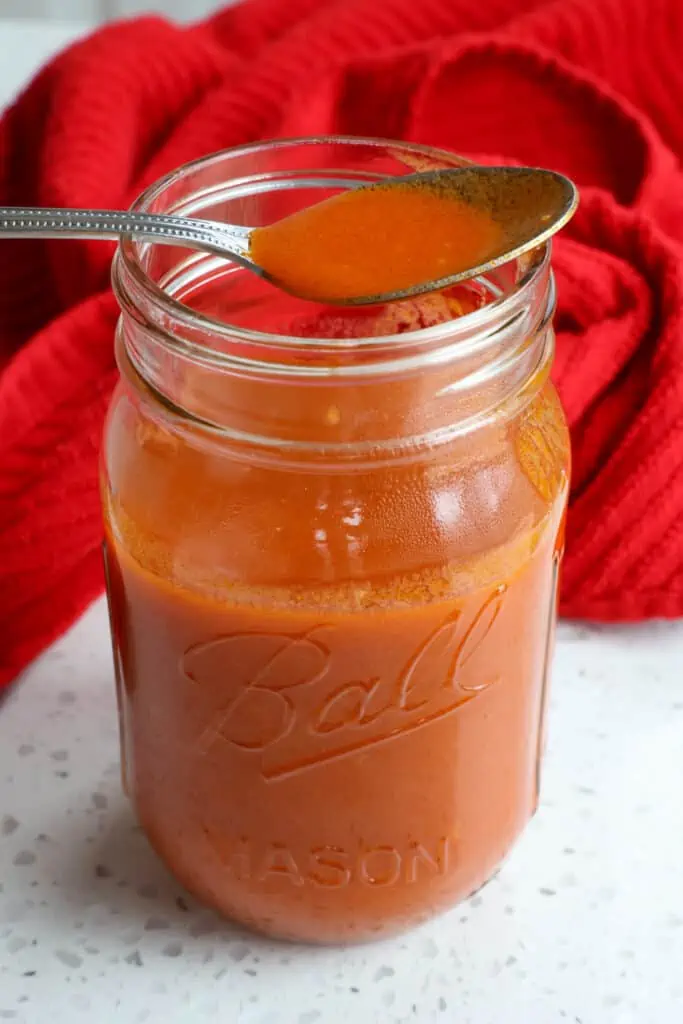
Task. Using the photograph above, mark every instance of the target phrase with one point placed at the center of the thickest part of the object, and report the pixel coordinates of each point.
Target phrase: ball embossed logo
(287, 702)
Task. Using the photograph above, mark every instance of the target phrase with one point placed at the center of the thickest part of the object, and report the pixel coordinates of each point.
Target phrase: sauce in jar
(332, 562)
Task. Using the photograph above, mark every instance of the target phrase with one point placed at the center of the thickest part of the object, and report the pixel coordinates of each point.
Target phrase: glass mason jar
(332, 545)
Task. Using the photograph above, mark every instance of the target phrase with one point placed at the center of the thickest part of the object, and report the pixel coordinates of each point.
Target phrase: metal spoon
(529, 204)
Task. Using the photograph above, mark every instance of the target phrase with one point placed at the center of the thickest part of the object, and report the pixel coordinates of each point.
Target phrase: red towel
(589, 87)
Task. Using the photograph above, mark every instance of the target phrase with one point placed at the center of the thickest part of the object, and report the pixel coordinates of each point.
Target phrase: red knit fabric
(588, 87)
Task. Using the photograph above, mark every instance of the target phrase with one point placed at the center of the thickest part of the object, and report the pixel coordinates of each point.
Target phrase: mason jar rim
(162, 305)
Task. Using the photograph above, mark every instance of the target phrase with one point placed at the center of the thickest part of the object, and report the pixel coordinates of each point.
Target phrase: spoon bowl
(529, 205)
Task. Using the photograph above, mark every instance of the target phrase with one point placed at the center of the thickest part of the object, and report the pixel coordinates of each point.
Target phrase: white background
(101, 10)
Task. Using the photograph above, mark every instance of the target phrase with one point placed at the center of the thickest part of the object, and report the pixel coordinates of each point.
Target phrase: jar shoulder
(171, 498)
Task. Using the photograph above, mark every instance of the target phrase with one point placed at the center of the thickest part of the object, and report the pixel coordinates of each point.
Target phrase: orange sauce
(373, 241)
(331, 679)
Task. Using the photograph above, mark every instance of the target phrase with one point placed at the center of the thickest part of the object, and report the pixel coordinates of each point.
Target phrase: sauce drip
(375, 240)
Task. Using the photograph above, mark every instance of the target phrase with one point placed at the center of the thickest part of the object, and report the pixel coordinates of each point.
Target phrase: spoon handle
(43, 222)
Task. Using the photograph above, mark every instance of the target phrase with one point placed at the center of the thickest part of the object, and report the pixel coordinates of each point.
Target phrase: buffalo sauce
(331, 674)
(374, 241)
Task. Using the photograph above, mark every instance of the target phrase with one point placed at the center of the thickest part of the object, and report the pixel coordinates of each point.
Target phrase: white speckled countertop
(583, 924)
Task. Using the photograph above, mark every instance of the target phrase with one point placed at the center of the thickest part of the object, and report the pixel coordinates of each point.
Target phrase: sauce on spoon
(374, 240)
